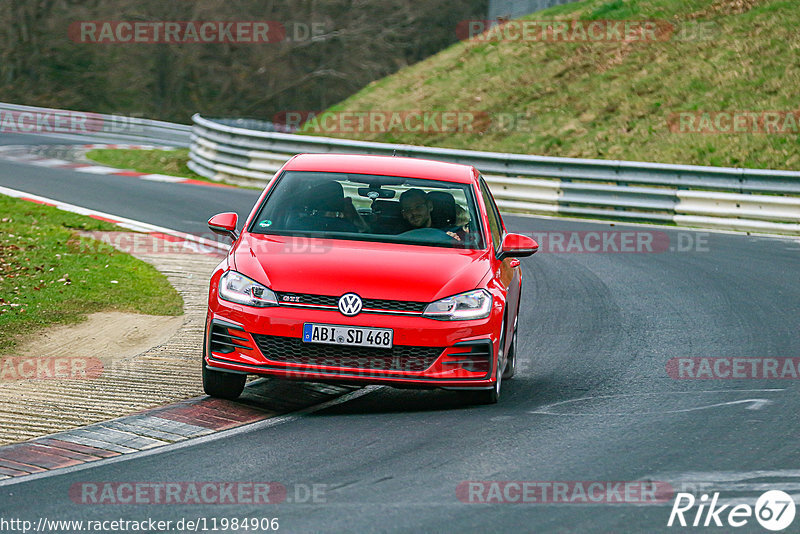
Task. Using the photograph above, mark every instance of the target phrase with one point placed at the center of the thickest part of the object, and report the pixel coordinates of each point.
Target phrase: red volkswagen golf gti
(367, 270)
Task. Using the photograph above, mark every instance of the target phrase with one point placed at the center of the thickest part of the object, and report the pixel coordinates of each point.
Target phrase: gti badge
(350, 304)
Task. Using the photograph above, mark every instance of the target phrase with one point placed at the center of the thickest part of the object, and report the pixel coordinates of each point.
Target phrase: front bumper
(426, 353)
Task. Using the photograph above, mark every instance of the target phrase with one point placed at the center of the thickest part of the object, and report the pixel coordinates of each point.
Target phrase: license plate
(354, 336)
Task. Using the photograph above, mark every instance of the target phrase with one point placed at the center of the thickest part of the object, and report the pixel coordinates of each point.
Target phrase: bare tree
(331, 49)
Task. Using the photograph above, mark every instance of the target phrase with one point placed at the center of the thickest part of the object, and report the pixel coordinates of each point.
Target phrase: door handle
(513, 263)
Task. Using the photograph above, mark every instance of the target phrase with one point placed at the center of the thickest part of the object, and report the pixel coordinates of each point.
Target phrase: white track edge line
(121, 221)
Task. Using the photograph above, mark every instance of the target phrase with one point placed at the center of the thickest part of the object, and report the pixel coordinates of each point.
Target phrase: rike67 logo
(774, 510)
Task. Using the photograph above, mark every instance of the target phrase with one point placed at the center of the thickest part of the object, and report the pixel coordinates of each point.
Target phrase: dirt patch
(105, 335)
(113, 364)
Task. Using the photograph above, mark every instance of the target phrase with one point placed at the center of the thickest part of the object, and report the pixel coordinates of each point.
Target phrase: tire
(221, 384)
(486, 396)
(489, 396)
(511, 364)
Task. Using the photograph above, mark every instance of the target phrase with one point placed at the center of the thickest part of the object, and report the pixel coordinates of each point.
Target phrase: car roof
(382, 166)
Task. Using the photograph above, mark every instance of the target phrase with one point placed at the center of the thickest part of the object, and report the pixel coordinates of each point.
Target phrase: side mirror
(517, 246)
(224, 224)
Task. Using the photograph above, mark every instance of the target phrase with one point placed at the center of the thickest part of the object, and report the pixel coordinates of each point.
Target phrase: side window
(491, 213)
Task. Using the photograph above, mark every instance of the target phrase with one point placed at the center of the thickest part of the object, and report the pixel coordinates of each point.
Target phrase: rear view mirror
(224, 224)
(373, 193)
(517, 246)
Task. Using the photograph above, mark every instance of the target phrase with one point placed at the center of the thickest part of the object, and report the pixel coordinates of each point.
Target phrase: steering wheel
(430, 235)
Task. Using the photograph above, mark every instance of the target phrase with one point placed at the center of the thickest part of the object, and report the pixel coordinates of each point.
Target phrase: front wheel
(486, 396)
(490, 396)
(221, 384)
(511, 364)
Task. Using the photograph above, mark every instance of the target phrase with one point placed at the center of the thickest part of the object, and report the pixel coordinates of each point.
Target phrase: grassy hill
(615, 100)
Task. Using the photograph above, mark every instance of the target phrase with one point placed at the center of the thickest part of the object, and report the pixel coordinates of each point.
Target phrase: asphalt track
(596, 328)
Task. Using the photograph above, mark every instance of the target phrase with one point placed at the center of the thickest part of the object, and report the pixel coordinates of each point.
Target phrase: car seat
(388, 218)
(324, 210)
(444, 209)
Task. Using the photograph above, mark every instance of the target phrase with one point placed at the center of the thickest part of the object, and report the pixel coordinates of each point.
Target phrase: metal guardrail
(20, 119)
(706, 197)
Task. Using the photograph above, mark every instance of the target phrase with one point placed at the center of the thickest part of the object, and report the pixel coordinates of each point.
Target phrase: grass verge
(169, 162)
(50, 275)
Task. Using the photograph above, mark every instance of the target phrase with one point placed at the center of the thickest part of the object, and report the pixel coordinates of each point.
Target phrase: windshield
(371, 208)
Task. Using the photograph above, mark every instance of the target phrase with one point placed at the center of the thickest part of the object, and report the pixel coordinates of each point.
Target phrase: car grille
(398, 358)
(300, 299)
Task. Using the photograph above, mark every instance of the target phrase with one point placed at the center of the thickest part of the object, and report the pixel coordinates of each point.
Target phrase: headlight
(236, 287)
(470, 305)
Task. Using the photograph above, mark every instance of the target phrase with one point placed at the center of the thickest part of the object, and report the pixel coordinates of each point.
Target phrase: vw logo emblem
(350, 304)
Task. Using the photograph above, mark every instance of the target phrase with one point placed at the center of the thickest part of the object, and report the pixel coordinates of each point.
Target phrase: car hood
(372, 270)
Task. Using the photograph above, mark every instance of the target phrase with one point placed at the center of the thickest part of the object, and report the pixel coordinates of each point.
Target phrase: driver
(416, 208)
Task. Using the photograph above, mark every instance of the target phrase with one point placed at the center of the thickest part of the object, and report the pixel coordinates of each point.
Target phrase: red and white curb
(162, 426)
(174, 426)
(192, 242)
(18, 153)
